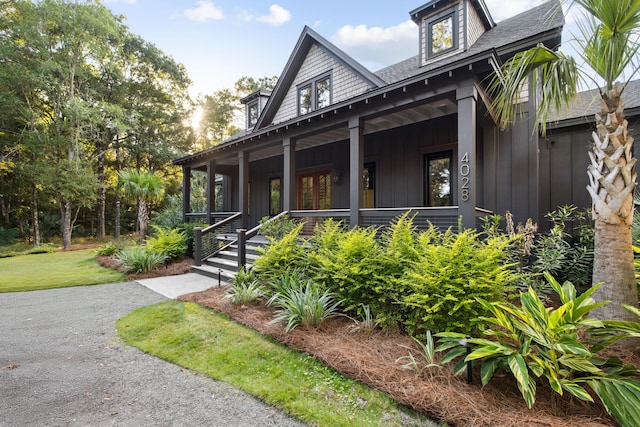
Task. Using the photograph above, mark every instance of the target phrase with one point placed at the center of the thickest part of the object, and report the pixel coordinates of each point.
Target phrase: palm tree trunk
(612, 183)
(143, 219)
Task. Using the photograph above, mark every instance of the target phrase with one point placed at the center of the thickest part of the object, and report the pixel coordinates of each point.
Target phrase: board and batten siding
(345, 83)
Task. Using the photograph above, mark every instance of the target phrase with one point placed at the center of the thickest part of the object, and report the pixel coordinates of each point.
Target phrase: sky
(219, 41)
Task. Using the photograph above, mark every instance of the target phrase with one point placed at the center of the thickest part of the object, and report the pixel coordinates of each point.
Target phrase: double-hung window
(314, 94)
(252, 114)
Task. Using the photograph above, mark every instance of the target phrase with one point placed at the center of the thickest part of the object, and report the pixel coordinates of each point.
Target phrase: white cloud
(204, 11)
(121, 1)
(501, 9)
(379, 46)
(277, 16)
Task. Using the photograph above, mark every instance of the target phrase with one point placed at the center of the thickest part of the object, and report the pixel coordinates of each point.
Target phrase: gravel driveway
(63, 364)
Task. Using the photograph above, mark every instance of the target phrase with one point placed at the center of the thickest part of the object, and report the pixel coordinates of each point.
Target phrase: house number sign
(465, 179)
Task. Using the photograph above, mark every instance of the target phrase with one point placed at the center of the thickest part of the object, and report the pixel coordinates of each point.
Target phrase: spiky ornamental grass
(138, 260)
(304, 306)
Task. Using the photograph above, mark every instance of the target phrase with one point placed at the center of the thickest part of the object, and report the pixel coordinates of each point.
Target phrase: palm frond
(554, 74)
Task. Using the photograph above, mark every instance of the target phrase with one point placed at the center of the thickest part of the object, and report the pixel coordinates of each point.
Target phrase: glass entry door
(314, 191)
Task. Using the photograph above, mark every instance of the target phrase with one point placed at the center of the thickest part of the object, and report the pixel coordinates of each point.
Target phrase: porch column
(186, 192)
(211, 189)
(289, 175)
(467, 98)
(243, 187)
(356, 165)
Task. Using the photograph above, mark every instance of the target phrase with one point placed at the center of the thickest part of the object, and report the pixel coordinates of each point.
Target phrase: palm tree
(607, 44)
(145, 187)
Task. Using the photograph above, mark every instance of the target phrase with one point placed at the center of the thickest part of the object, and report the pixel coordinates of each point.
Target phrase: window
(314, 94)
(252, 114)
(275, 206)
(304, 100)
(369, 185)
(438, 179)
(442, 33)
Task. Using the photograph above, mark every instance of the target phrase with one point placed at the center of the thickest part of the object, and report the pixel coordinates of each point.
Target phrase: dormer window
(314, 94)
(442, 33)
(252, 114)
(254, 103)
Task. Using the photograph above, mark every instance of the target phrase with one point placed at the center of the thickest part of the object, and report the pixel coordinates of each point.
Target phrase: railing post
(197, 247)
(242, 248)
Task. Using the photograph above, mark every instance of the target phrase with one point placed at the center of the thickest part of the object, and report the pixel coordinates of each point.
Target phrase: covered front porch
(422, 152)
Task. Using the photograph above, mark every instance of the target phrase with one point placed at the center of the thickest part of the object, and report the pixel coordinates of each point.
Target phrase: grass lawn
(54, 270)
(205, 341)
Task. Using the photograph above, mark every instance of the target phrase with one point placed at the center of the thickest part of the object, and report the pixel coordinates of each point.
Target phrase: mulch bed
(370, 357)
(180, 266)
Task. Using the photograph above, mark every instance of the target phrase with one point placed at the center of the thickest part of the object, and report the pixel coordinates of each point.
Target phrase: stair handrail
(199, 232)
(244, 235)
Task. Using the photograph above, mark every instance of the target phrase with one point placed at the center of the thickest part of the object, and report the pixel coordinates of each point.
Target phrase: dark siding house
(335, 139)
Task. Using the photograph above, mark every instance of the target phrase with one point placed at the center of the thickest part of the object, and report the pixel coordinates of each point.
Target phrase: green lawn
(54, 270)
(205, 341)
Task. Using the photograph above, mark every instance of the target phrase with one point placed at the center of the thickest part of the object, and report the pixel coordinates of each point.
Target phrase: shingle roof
(512, 31)
(587, 103)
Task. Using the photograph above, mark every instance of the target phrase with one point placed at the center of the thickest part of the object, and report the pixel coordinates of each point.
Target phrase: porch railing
(442, 217)
(244, 235)
(204, 217)
(312, 217)
(215, 238)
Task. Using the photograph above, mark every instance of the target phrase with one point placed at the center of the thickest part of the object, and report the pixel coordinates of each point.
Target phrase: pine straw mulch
(180, 266)
(370, 357)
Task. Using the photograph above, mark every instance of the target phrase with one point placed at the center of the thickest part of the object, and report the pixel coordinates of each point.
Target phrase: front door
(314, 191)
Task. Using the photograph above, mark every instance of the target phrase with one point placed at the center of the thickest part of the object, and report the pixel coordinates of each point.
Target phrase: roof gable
(314, 55)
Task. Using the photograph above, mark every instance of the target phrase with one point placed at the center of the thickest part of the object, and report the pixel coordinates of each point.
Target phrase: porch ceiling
(377, 123)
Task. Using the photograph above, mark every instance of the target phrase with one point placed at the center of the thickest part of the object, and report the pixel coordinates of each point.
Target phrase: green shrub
(304, 305)
(7, 235)
(350, 266)
(188, 229)
(139, 260)
(566, 250)
(534, 342)
(281, 257)
(277, 228)
(170, 243)
(450, 274)
(109, 249)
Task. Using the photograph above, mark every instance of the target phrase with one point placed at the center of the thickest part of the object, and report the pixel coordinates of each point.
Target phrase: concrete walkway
(63, 364)
(174, 286)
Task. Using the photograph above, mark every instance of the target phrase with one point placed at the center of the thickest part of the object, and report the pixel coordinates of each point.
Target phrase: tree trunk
(143, 219)
(116, 232)
(65, 218)
(6, 208)
(102, 198)
(34, 216)
(612, 183)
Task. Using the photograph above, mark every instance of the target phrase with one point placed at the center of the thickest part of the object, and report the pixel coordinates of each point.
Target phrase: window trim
(431, 21)
(312, 84)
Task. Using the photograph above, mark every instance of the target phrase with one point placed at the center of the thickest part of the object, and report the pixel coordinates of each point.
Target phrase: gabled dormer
(448, 27)
(254, 104)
